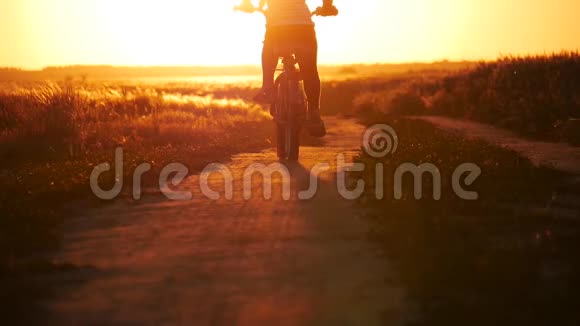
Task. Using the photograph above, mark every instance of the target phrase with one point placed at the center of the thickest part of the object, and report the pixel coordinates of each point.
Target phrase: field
(535, 96)
(502, 259)
(58, 123)
(52, 134)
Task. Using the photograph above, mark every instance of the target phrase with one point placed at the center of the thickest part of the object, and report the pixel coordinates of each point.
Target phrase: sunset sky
(38, 33)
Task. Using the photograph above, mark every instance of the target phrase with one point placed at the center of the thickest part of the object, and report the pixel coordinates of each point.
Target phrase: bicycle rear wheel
(288, 141)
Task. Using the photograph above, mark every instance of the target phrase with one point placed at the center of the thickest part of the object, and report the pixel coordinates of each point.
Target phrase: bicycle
(289, 107)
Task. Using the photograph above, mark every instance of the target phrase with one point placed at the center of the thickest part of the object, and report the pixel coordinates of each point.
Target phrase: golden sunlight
(193, 32)
(157, 168)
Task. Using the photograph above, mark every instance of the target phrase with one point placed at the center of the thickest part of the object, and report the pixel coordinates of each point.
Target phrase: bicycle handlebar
(325, 12)
(320, 11)
(249, 10)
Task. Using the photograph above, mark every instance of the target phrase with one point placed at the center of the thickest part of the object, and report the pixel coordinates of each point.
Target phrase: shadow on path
(233, 262)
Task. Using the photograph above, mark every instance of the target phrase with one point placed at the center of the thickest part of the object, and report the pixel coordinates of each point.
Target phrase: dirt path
(231, 262)
(561, 156)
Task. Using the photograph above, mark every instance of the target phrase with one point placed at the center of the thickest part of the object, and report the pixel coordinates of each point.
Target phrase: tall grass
(60, 120)
(534, 95)
(53, 134)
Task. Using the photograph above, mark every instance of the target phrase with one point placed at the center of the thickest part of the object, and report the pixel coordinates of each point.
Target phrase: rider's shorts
(302, 36)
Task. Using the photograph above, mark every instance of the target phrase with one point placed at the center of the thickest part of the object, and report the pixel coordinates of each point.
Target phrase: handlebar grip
(325, 12)
(248, 9)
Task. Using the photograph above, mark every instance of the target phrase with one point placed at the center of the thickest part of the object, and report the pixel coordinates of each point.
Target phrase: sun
(182, 32)
(179, 32)
(168, 33)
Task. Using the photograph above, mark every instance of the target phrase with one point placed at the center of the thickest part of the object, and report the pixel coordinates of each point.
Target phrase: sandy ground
(231, 262)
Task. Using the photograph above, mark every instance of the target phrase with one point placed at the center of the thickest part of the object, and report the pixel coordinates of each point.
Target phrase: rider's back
(288, 13)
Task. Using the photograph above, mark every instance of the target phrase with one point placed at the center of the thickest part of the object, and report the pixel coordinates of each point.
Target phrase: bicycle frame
(289, 109)
(290, 105)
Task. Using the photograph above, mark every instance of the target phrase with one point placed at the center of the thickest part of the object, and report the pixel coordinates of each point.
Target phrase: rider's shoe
(265, 96)
(315, 125)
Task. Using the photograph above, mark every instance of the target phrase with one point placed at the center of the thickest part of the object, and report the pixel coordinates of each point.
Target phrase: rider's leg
(308, 60)
(269, 63)
(307, 57)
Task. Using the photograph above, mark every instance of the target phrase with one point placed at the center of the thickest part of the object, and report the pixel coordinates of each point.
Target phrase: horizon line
(212, 66)
(499, 56)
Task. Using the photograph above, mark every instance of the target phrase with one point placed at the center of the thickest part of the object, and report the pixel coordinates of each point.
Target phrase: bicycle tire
(294, 144)
(288, 142)
(281, 142)
(288, 114)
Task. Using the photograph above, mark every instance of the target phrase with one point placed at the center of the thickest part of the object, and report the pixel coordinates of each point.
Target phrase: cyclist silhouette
(291, 21)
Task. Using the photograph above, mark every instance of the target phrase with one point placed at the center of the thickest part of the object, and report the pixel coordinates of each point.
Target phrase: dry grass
(52, 134)
(535, 95)
(476, 263)
(66, 120)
